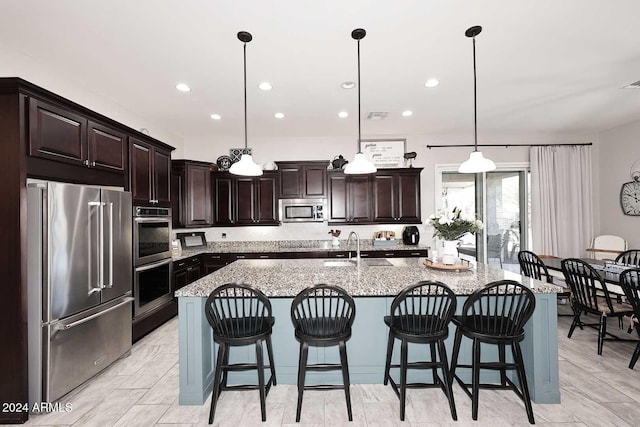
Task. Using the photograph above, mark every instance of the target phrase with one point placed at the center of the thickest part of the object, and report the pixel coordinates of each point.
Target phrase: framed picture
(384, 153)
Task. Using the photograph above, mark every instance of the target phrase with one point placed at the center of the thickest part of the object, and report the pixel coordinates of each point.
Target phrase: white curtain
(561, 201)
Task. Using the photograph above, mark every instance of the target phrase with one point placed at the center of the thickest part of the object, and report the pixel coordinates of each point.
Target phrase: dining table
(610, 272)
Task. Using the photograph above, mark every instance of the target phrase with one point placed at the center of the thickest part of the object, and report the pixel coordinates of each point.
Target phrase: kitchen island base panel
(366, 350)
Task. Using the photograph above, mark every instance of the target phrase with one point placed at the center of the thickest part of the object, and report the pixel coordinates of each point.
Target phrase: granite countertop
(290, 246)
(285, 278)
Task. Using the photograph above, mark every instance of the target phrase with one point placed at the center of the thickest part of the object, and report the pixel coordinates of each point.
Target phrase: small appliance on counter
(192, 240)
(410, 235)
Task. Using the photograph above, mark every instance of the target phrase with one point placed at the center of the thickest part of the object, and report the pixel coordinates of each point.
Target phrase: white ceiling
(544, 66)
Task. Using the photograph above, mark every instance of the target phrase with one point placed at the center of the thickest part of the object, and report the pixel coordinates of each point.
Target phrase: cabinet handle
(181, 264)
(415, 253)
(340, 255)
(364, 255)
(264, 256)
(93, 163)
(194, 259)
(389, 254)
(86, 162)
(240, 257)
(214, 256)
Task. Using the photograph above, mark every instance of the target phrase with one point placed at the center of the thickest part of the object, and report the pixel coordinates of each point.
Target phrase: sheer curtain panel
(561, 205)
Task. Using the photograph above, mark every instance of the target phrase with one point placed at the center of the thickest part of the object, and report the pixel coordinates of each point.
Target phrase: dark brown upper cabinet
(150, 173)
(388, 196)
(60, 134)
(396, 196)
(191, 194)
(350, 198)
(240, 200)
(303, 179)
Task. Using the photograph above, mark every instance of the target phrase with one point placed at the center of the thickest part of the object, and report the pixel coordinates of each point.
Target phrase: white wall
(270, 149)
(620, 148)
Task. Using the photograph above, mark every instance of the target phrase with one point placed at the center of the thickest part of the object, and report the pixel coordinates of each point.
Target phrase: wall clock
(630, 192)
(630, 198)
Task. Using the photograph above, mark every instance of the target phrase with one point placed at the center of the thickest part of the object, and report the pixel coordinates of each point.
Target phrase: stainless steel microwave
(303, 210)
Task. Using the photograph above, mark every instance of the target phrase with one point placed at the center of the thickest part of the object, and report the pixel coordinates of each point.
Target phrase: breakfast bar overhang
(373, 283)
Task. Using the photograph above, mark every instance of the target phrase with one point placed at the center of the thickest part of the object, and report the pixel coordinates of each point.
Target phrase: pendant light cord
(475, 96)
(245, 95)
(359, 149)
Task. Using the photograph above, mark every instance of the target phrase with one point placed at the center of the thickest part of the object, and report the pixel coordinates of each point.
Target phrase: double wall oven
(152, 259)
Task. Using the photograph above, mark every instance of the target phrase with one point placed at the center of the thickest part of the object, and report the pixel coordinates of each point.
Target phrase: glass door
(501, 200)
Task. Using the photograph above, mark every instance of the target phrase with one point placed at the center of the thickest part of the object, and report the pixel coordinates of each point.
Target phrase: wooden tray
(461, 265)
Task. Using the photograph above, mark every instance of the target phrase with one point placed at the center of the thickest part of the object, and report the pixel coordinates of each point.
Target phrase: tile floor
(142, 390)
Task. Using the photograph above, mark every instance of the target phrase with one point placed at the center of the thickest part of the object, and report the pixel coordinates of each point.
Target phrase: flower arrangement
(453, 225)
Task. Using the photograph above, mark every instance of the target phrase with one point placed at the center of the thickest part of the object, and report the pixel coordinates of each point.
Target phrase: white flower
(467, 217)
(479, 224)
(444, 219)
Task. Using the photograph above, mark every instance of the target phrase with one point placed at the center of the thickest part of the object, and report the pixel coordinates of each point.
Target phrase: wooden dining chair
(629, 257)
(630, 282)
(532, 265)
(590, 296)
(607, 246)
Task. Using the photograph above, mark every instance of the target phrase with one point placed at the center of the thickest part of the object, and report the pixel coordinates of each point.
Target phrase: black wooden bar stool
(421, 314)
(495, 314)
(240, 315)
(322, 316)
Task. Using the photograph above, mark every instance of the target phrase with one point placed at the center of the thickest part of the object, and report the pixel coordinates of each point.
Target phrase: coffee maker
(410, 235)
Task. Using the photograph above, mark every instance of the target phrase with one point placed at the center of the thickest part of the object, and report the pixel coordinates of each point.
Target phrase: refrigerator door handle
(99, 244)
(107, 282)
(110, 283)
(67, 326)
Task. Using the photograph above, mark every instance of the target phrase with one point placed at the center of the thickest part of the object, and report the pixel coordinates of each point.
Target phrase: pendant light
(477, 163)
(246, 166)
(360, 164)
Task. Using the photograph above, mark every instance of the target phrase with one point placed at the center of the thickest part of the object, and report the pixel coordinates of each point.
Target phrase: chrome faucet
(353, 233)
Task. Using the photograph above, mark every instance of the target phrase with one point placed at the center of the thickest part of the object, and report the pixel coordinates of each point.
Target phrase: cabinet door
(107, 148)
(213, 262)
(223, 200)
(162, 177)
(359, 198)
(338, 197)
(266, 199)
(198, 195)
(290, 183)
(56, 133)
(385, 198)
(141, 172)
(314, 181)
(245, 193)
(179, 279)
(193, 273)
(409, 197)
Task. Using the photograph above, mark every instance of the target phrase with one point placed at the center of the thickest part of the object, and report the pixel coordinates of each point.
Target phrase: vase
(449, 252)
(335, 241)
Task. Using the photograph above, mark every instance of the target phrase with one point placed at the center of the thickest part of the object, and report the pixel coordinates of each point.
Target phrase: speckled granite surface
(290, 246)
(285, 278)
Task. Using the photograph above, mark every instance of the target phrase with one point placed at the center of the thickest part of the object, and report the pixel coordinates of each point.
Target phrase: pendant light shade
(477, 163)
(246, 166)
(360, 164)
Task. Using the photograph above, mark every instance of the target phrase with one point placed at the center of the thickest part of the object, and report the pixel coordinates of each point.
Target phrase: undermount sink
(381, 262)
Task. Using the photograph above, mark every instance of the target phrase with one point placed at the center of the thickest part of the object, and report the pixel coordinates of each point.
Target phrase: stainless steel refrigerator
(79, 284)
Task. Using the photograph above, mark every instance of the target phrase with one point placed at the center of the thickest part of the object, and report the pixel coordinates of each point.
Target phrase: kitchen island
(373, 283)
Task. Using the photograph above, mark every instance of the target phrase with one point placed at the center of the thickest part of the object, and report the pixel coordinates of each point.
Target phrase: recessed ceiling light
(348, 85)
(407, 113)
(343, 114)
(265, 86)
(183, 87)
(216, 116)
(278, 115)
(432, 83)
